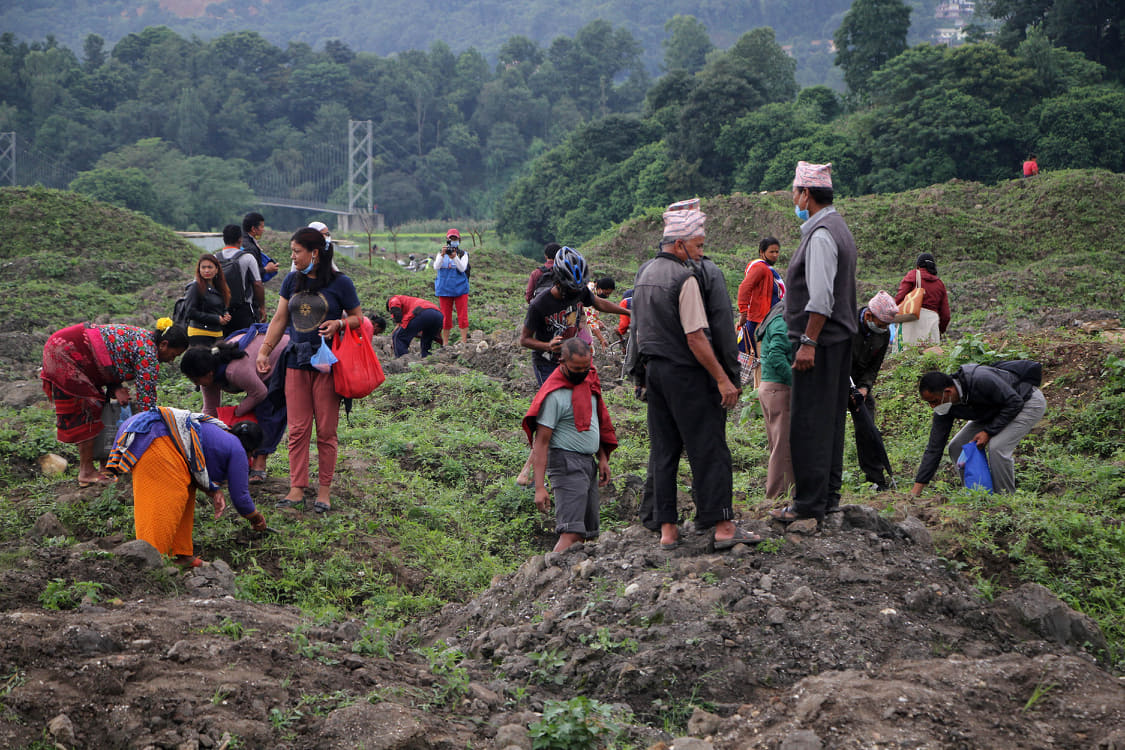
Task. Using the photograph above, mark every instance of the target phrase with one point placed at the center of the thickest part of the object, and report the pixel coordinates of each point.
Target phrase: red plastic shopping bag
(358, 371)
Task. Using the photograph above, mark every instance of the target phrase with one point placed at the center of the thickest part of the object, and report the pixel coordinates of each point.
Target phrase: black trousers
(685, 412)
(869, 448)
(817, 406)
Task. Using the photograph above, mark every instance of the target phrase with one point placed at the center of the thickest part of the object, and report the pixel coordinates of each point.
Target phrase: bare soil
(856, 635)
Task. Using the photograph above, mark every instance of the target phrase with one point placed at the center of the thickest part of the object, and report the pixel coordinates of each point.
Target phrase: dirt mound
(857, 636)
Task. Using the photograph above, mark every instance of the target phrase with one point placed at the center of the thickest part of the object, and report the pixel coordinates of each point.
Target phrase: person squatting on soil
(688, 388)
(84, 362)
(315, 303)
(572, 436)
(1001, 409)
(415, 318)
(231, 366)
(820, 311)
(451, 285)
(206, 302)
(934, 316)
(869, 347)
(172, 453)
(773, 394)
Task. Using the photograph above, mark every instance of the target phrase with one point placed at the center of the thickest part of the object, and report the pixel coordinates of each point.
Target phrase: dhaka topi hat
(683, 220)
(813, 175)
(883, 307)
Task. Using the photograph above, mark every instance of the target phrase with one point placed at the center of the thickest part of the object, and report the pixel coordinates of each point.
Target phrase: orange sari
(164, 499)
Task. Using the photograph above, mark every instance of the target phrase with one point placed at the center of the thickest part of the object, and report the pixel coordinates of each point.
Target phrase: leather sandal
(740, 537)
(786, 515)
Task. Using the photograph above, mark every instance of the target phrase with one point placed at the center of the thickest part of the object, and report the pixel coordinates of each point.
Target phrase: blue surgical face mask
(802, 213)
(308, 269)
(875, 327)
(455, 243)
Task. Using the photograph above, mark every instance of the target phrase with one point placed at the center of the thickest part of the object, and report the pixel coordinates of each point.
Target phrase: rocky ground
(856, 635)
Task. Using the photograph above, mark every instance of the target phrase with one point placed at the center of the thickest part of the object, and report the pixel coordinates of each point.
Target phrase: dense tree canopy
(873, 32)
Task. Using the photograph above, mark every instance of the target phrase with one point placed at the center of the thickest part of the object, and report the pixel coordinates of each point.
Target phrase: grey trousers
(1002, 445)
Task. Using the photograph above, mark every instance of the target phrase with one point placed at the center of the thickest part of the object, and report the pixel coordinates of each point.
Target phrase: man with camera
(452, 285)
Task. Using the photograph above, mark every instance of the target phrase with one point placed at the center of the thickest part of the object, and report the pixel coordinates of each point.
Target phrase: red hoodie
(410, 305)
(579, 402)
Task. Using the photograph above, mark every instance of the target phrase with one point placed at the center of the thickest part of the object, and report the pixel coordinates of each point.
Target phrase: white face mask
(943, 408)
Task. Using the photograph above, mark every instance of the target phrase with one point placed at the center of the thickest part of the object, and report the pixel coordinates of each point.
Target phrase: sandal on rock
(321, 507)
(669, 546)
(740, 537)
(787, 515)
(287, 503)
(257, 476)
(188, 562)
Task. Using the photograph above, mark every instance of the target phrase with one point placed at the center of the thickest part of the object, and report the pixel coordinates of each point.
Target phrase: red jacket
(755, 293)
(935, 298)
(409, 305)
(580, 402)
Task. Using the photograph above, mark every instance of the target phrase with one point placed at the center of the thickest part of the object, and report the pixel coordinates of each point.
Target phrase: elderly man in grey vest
(689, 390)
(820, 314)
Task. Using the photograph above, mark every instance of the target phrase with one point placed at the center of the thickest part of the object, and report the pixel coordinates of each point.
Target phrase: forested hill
(398, 25)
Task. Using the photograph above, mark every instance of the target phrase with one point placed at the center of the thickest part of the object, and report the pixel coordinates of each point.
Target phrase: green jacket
(776, 349)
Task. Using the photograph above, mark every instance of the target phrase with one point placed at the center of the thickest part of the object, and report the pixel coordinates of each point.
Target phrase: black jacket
(990, 397)
(868, 351)
(204, 310)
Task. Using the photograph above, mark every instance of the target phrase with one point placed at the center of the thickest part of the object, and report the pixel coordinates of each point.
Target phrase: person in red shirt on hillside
(760, 290)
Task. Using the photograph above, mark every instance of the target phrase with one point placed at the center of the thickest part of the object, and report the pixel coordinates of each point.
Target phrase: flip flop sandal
(257, 476)
(321, 507)
(740, 537)
(670, 546)
(194, 562)
(287, 503)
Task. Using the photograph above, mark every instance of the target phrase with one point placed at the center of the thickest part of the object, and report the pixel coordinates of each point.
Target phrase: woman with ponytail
(84, 362)
(231, 366)
(315, 302)
(934, 317)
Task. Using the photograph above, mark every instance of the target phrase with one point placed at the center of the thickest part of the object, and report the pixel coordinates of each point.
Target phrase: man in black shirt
(555, 314)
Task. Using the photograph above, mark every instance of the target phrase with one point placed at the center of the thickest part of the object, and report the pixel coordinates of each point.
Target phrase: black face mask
(575, 377)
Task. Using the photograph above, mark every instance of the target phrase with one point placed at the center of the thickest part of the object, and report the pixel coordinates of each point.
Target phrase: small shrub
(577, 724)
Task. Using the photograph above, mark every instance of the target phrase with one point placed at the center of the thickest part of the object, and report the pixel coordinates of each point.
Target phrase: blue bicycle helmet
(570, 270)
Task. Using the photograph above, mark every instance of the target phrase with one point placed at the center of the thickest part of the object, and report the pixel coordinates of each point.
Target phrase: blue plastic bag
(266, 276)
(974, 466)
(324, 359)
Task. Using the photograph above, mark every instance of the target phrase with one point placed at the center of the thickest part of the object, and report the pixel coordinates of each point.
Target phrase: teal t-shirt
(557, 414)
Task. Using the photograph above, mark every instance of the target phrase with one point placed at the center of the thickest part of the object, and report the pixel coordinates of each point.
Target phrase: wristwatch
(806, 340)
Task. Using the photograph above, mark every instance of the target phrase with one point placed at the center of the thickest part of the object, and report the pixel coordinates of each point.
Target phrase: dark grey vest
(656, 310)
(841, 324)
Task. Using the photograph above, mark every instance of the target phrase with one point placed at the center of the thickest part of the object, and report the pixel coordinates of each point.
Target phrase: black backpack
(546, 280)
(1027, 370)
(179, 310)
(236, 281)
